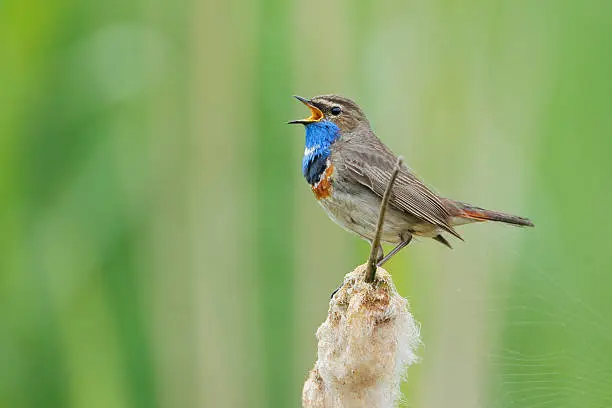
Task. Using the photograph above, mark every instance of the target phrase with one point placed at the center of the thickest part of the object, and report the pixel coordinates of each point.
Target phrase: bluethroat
(348, 168)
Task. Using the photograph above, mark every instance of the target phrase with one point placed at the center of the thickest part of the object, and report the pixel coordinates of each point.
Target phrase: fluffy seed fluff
(365, 346)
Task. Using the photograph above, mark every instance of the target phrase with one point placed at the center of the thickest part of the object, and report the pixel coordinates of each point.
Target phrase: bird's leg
(336, 291)
(395, 250)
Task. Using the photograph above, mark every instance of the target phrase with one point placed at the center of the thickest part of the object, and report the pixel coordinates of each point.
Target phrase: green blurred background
(160, 248)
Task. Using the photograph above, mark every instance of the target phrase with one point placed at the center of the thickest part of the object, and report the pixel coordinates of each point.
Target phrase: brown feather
(366, 160)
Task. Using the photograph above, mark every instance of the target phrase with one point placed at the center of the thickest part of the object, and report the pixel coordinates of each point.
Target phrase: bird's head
(331, 117)
(339, 110)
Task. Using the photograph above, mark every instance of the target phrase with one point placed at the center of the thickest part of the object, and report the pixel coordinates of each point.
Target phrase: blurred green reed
(160, 248)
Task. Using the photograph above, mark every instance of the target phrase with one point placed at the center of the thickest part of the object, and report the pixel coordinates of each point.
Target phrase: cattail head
(365, 345)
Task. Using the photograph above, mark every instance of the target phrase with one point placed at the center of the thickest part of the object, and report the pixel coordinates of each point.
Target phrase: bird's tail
(470, 212)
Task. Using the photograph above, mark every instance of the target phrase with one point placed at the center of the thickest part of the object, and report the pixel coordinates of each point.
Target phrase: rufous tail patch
(474, 214)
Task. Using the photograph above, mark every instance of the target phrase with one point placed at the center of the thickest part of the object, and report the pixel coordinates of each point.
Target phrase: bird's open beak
(315, 113)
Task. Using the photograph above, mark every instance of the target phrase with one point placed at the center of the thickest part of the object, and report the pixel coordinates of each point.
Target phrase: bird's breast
(323, 187)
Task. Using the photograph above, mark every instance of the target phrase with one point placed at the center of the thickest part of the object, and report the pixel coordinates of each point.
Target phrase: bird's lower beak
(315, 113)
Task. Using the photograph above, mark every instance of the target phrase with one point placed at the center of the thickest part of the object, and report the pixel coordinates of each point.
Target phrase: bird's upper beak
(315, 113)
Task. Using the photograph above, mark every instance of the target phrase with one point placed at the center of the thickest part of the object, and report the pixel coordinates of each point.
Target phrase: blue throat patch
(319, 138)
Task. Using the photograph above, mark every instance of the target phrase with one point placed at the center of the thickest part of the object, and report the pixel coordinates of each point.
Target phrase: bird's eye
(336, 110)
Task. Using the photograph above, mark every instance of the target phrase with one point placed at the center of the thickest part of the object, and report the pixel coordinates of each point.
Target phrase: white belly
(358, 213)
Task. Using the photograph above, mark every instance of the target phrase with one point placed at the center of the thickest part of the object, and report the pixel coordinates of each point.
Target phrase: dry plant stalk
(365, 346)
(371, 265)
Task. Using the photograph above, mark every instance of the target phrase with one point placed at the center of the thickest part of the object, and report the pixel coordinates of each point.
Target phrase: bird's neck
(319, 138)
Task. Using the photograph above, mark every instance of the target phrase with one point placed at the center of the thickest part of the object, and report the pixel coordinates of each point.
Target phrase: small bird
(348, 168)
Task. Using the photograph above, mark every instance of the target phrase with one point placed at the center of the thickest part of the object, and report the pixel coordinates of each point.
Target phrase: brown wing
(371, 163)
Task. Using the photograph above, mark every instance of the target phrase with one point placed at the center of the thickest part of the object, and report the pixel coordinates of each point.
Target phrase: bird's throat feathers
(319, 138)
